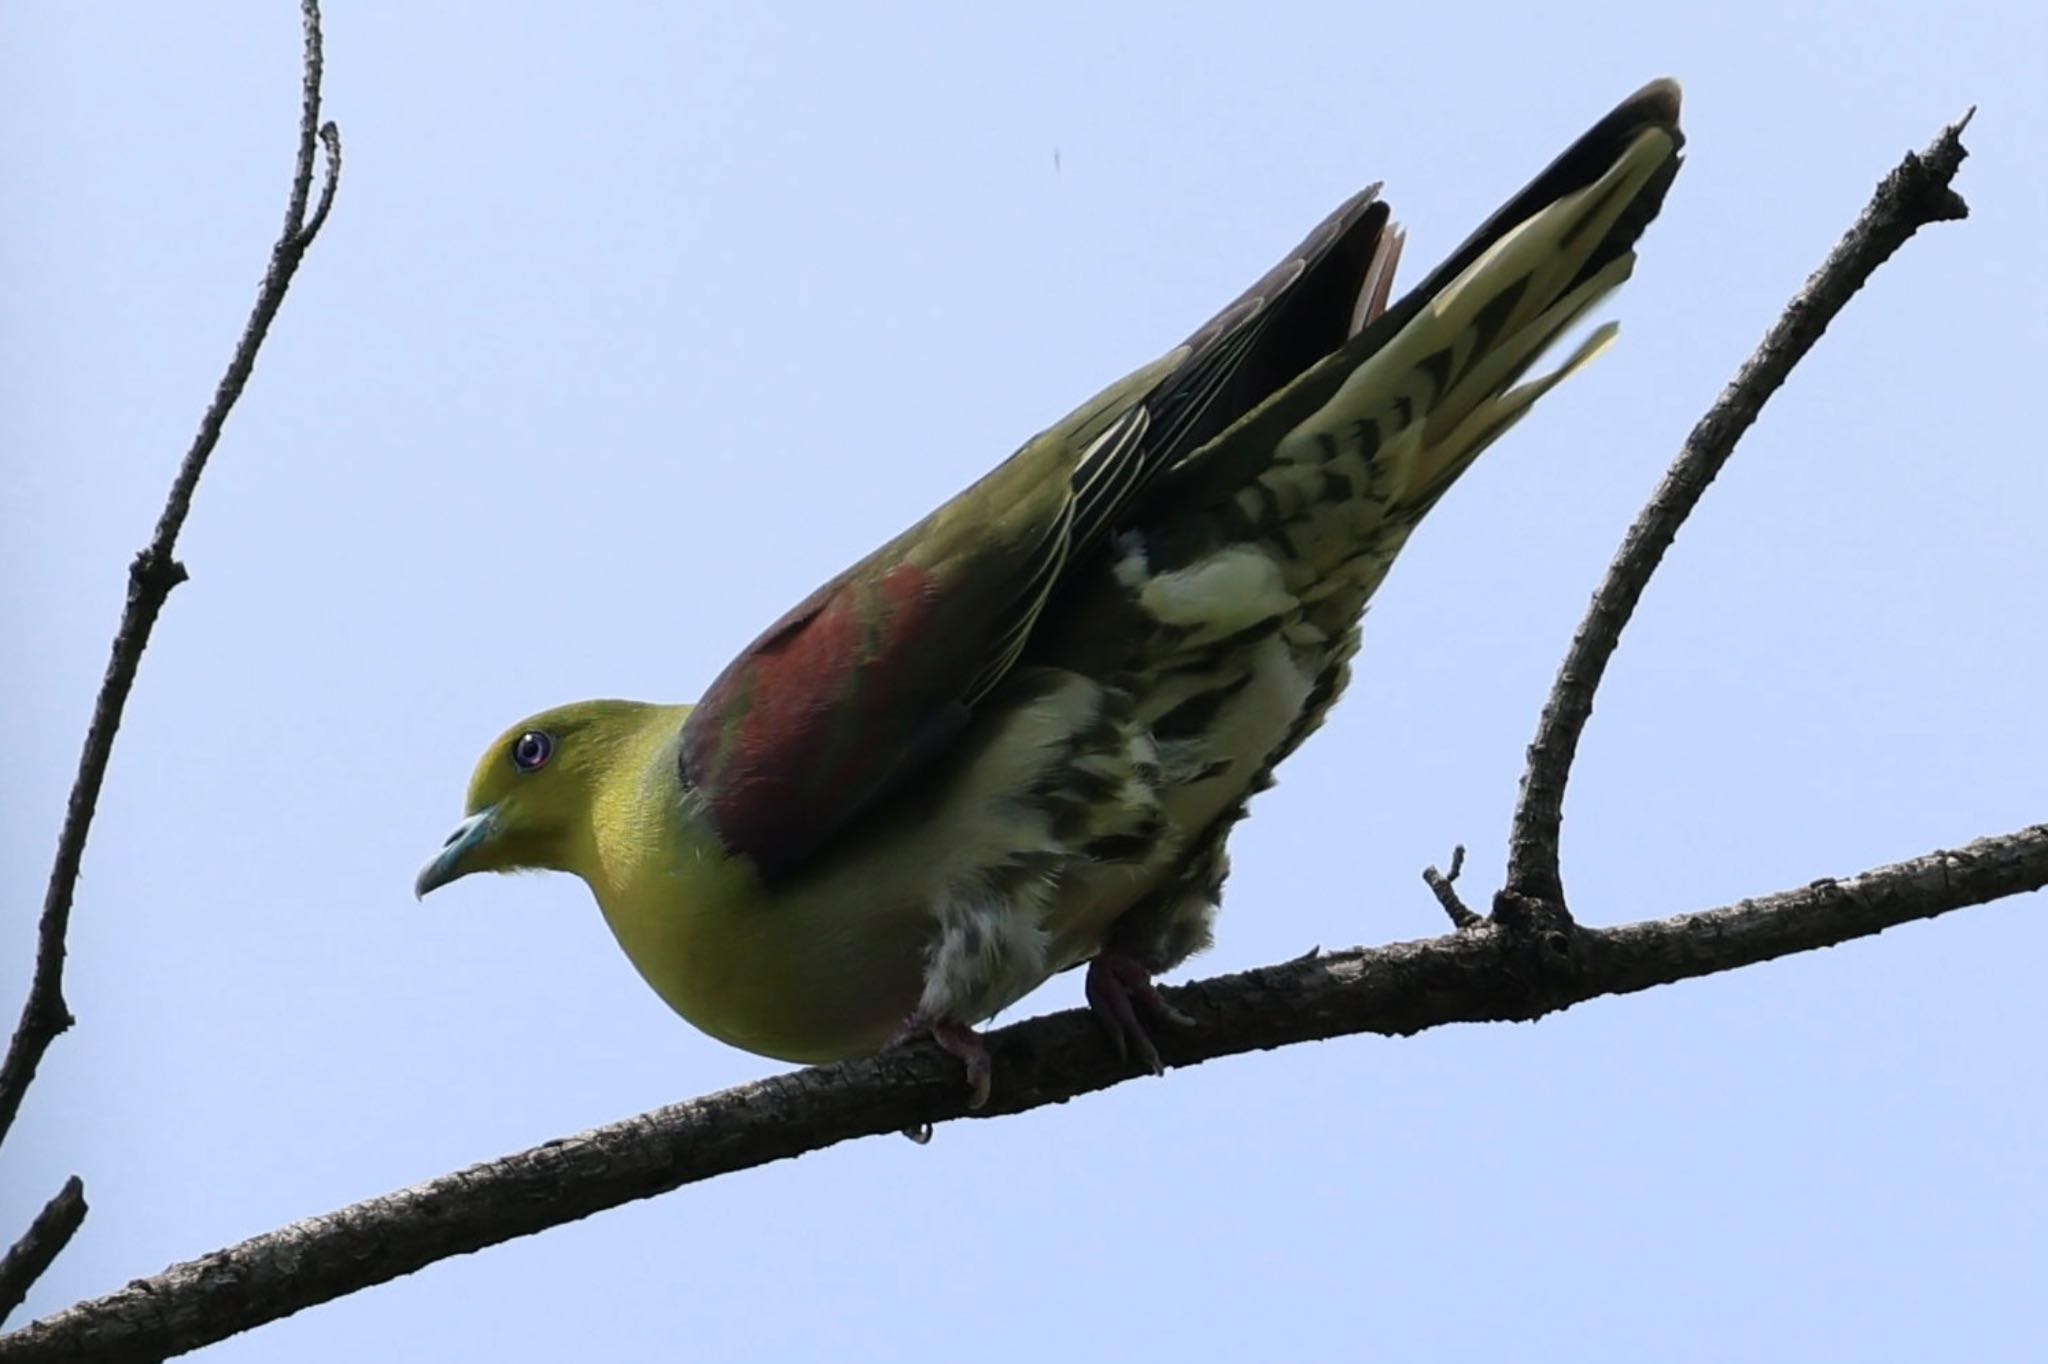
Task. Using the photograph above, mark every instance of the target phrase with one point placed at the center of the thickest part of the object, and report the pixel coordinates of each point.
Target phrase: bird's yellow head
(533, 800)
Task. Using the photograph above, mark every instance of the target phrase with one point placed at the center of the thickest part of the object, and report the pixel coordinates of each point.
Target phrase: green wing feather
(851, 692)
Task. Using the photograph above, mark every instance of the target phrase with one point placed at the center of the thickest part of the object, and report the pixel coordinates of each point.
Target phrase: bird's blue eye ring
(531, 750)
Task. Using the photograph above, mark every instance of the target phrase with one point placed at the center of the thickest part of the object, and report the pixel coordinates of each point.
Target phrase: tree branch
(1915, 194)
(1444, 885)
(151, 577)
(1479, 974)
(1487, 970)
(44, 1240)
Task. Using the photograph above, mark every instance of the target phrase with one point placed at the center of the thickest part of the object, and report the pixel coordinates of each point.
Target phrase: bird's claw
(1117, 987)
(955, 1039)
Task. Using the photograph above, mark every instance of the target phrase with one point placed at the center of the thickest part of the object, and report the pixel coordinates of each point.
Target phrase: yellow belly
(782, 977)
(831, 965)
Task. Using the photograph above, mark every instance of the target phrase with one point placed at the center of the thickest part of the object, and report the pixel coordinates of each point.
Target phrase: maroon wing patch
(826, 710)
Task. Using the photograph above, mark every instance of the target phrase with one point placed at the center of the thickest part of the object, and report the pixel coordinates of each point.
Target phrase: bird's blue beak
(448, 863)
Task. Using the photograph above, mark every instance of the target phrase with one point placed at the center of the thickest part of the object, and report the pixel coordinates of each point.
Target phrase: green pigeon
(1014, 739)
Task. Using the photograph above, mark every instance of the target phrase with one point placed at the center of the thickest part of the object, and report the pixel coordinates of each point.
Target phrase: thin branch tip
(1444, 885)
(1915, 192)
(330, 181)
(153, 573)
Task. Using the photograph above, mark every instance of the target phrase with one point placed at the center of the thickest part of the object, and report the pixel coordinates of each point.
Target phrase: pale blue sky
(634, 322)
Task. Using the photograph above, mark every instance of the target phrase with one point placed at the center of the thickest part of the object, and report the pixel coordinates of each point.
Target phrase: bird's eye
(531, 751)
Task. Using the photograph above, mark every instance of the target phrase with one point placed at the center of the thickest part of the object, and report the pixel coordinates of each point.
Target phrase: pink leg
(1118, 987)
(955, 1039)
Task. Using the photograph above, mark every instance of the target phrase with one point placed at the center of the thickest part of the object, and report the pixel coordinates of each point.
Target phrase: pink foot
(955, 1039)
(1117, 987)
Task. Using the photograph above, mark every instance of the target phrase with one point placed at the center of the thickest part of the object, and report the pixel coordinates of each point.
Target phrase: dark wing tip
(1656, 105)
(1591, 155)
(1657, 102)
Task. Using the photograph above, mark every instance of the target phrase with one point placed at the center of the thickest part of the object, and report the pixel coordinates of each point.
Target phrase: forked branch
(152, 575)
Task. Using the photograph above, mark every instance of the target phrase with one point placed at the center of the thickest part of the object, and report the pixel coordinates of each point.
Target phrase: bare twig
(1444, 885)
(151, 577)
(330, 142)
(44, 1240)
(1913, 195)
(1467, 976)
